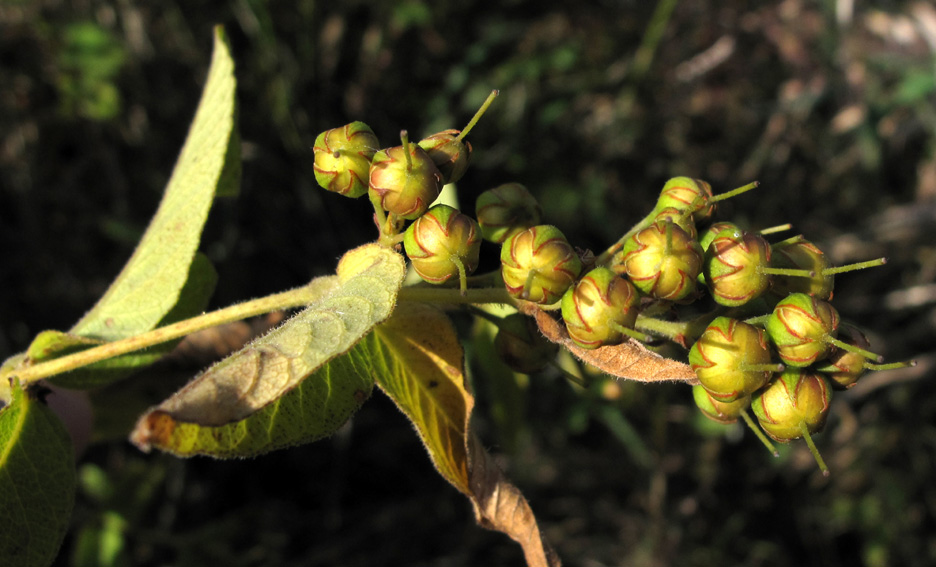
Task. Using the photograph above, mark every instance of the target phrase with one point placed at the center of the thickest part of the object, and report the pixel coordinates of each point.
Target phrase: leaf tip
(154, 428)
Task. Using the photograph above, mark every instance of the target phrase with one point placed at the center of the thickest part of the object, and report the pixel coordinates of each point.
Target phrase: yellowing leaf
(149, 285)
(423, 362)
(360, 296)
(37, 482)
(630, 359)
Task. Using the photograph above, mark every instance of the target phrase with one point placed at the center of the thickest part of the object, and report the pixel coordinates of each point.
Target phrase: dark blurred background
(830, 104)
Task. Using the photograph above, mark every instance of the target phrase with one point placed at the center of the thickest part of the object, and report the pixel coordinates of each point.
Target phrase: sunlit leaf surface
(37, 482)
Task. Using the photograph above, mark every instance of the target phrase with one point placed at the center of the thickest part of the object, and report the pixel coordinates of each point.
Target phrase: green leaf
(150, 284)
(165, 280)
(193, 298)
(37, 482)
(291, 385)
(315, 409)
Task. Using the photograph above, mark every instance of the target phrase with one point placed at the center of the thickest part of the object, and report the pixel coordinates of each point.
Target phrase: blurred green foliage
(89, 60)
(831, 108)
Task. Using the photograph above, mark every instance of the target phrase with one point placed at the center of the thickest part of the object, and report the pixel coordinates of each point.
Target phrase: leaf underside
(149, 285)
(166, 279)
(257, 390)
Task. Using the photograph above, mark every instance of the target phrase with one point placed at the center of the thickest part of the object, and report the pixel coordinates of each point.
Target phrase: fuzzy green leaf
(37, 482)
(193, 299)
(150, 284)
(291, 385)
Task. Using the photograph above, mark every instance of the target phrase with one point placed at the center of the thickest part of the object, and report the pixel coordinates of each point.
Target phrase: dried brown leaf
(500, 506)
(630, 359)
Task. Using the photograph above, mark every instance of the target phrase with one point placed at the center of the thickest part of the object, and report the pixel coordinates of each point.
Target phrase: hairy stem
(285, 300)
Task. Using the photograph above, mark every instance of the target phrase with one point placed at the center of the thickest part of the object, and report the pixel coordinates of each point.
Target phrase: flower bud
(680, 218)
(685, 194)
(733, 267)
(722, 412)
(506, 210)
(539, 264)
(662, 260)
(597, 307)
(731, 359)
(441, 240)
(802, 255)
(706, 238)
(800, 327)
(521, 346)
(843, 368)
(404, 183)
(791, 400)
(448, 153)
(343, 158)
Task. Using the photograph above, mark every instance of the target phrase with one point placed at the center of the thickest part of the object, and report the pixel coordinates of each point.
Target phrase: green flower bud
(843, 368)
(343, 158)
(662, 260)
(442, 243)
(506, 210)
(598, 307)
(685, 194)
(709, 234)
(731, 359)
(733, 268)
(521, 346)
(722, 412)
(793, 401)
(404, 182)
(802, 255)
(449, 154)
(801, 327)
(539, 264)
(680, 218)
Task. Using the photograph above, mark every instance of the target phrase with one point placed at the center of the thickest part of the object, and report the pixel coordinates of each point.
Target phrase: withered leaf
(630, 359)
(499, 505)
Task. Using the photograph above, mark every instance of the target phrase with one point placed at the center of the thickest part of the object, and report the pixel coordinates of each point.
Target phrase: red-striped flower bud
(450, 154)
(443, 243)
(343, 158)
(843, 368)
(681, 219)
(801, 328)
(709, 234)
(662, 260)
(404, 182)
(539, 264)
(599, 307)
(734, 266)
(731, 359)
(712, 408)
(506, 210)
(685, 194)
(793, 403)
(801, 254)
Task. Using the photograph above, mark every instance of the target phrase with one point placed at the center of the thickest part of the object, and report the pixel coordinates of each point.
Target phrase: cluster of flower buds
(769, 343)
(402, 183)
